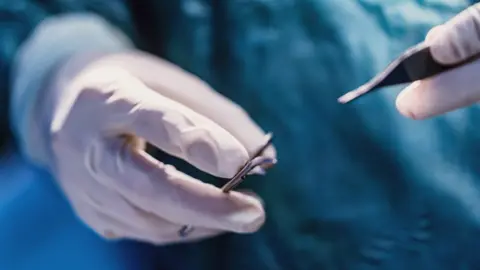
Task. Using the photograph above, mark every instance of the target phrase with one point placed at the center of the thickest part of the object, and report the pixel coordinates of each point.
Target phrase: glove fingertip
(441, 49)
(254, 225)
(444, 54)
(407, 100)
(254, 222)
(433, 34)
(270, 152)
(251, 216)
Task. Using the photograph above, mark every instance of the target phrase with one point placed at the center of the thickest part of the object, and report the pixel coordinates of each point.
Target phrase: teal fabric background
(357, 186)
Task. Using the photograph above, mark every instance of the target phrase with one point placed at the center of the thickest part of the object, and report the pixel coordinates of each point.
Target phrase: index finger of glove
(177, 129)
(174, 83)
(458, 39)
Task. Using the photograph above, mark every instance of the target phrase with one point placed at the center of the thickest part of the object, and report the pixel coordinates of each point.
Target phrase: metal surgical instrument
(416, 63)
(256, 160)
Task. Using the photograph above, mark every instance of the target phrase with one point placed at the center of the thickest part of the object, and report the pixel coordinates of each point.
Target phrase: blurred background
(356, 187)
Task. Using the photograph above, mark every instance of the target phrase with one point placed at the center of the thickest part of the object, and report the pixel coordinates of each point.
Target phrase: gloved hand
(94, 117)
(453, 42)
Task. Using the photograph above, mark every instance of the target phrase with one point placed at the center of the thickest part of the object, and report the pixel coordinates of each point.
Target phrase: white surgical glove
(89, 125)
(453, 42)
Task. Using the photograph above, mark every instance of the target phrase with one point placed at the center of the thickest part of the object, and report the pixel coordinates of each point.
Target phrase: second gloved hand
(95, 115)
(453, 42)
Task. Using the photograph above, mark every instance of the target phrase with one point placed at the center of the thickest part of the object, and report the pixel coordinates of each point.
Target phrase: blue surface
(39, 231)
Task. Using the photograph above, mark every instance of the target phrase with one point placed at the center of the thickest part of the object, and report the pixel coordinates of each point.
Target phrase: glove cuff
(53, 42)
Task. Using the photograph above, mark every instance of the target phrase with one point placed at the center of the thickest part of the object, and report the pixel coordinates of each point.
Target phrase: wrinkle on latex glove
(187, 89)
(458, 39)
(165, 123)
